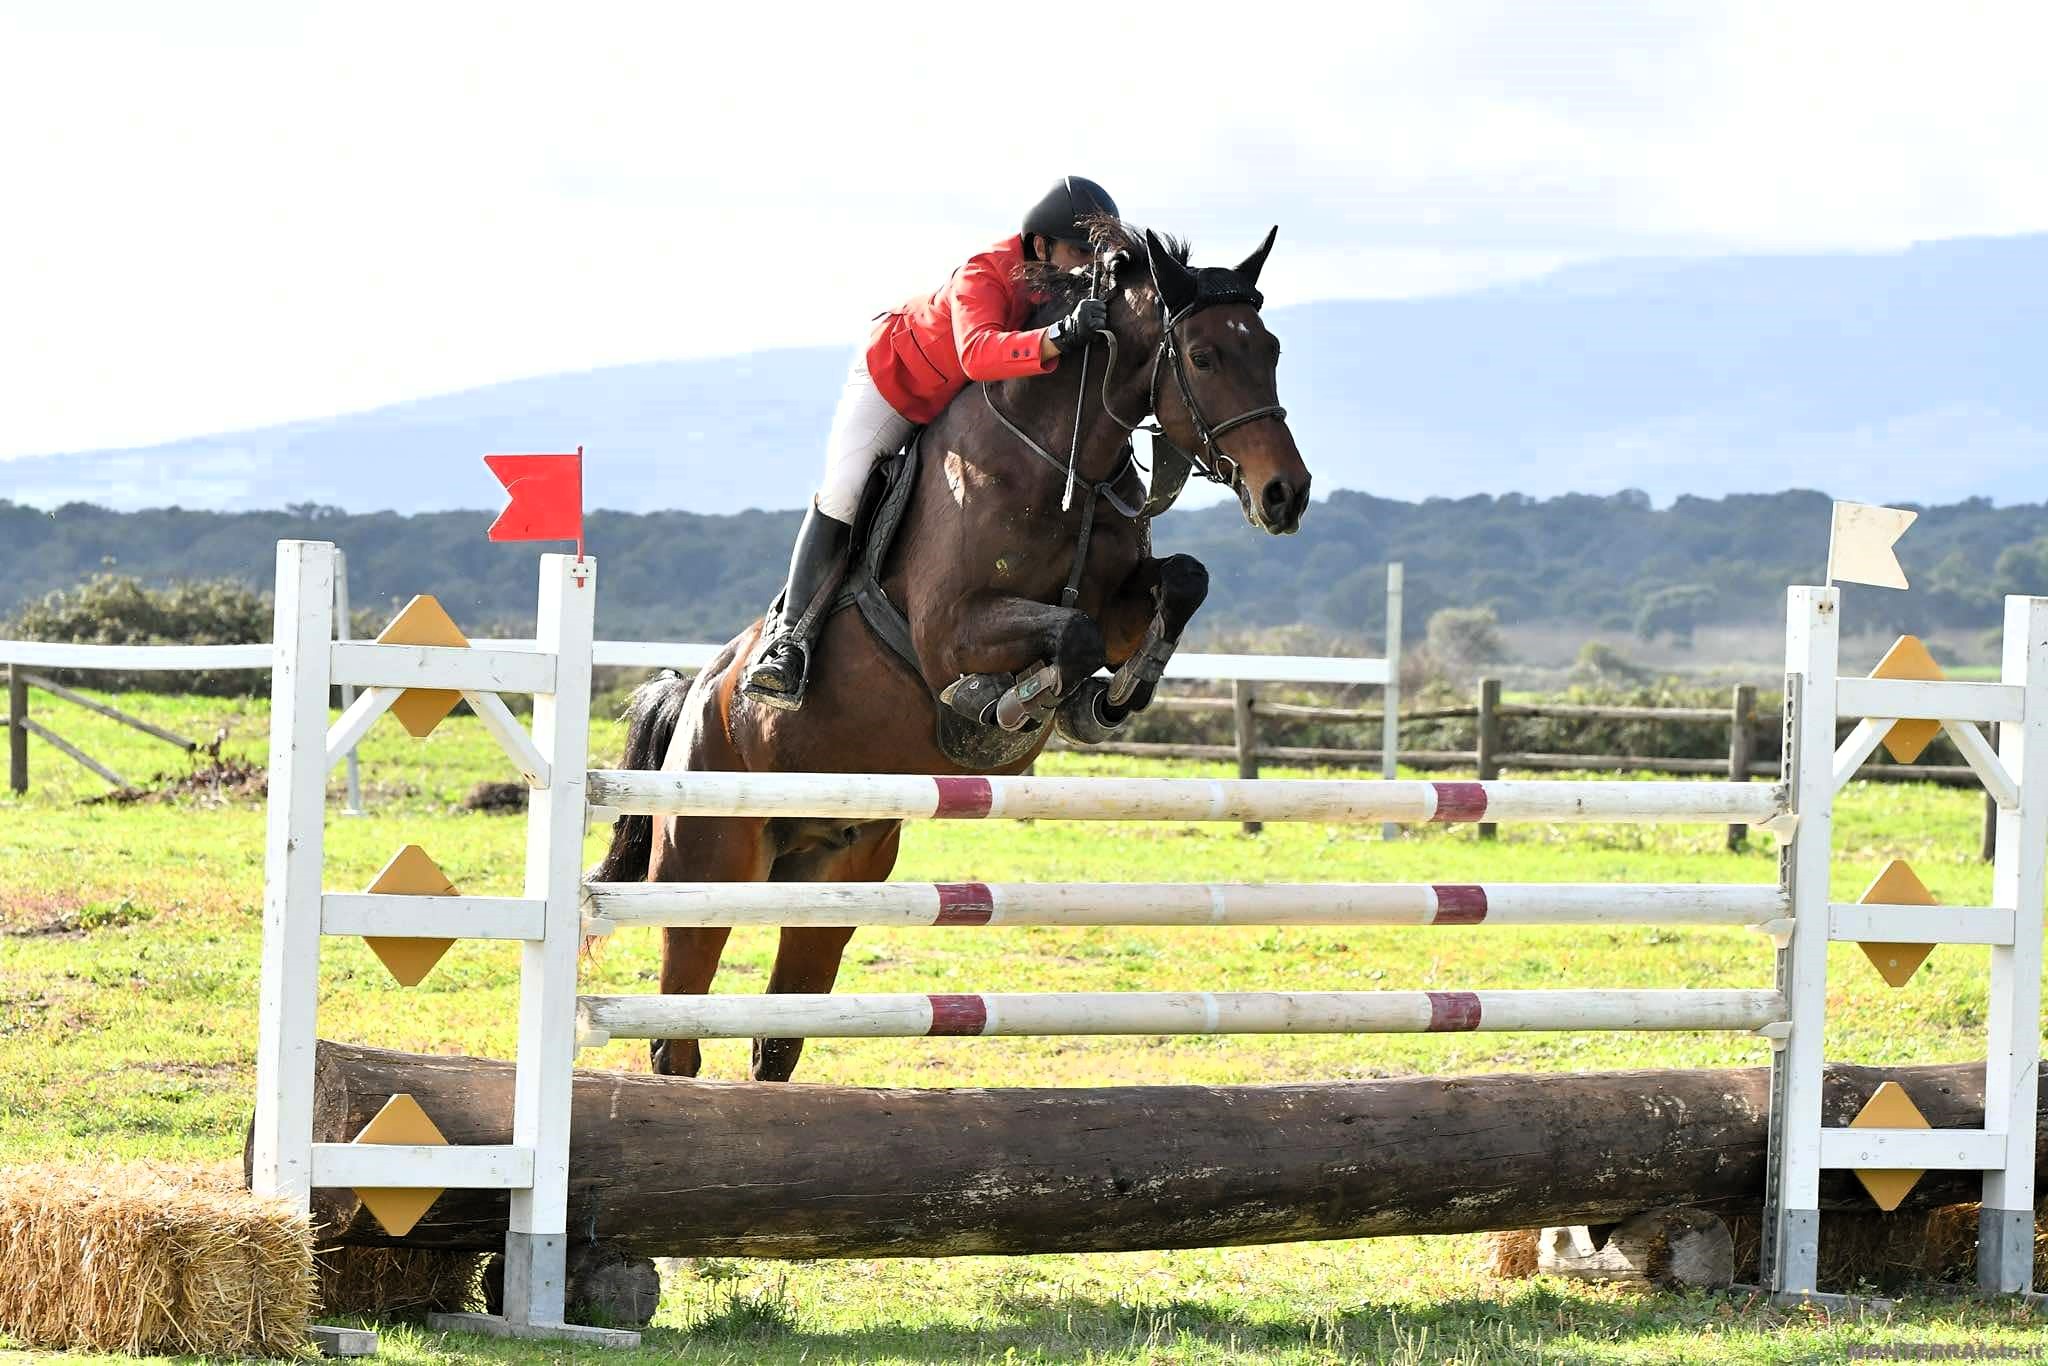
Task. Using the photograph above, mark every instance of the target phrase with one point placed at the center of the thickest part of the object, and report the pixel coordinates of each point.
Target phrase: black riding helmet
(1059, 214)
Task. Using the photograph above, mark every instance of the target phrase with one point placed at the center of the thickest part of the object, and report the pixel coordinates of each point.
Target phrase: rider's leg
(865, 429)
(820, 544)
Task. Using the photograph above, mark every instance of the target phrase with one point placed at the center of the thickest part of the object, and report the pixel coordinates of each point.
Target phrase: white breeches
(865, 429)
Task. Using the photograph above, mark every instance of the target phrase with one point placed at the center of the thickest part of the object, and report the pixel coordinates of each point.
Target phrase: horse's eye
(1204, 360)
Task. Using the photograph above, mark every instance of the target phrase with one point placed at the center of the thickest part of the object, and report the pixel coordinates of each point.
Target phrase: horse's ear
(1175, 282)
(1256, 262)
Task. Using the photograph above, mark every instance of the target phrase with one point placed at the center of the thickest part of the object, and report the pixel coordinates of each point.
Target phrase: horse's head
(1215, 390)
(1197, 355)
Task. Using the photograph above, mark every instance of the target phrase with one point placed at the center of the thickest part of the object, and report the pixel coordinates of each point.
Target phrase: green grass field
(129, 943)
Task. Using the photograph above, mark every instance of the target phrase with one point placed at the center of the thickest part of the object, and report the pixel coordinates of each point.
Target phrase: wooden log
(663, 1166)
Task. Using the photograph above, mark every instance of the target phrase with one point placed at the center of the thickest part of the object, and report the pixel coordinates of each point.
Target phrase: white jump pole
(873, 796)
(685, 904)
(812, 1016)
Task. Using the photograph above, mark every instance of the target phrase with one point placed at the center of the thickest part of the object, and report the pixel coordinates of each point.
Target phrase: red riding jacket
(932, 347)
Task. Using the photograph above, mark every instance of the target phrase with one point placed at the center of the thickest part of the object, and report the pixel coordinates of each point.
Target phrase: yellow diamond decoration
(1897, 886)
(398, 1208)
(410, 873)
(1908, 658)
(423, 622)
(1890, 1108)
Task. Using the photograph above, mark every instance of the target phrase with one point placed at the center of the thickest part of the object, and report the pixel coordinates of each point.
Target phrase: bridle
(1211, 461)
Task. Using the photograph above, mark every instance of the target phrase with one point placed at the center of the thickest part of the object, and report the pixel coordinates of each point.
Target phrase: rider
(916, 359)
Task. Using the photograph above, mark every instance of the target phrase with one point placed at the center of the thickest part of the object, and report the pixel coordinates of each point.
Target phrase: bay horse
(1000, 583)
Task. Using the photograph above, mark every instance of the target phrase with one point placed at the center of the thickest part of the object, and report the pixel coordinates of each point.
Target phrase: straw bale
(399, 1280)
(150, 1258)
(1891, 1252)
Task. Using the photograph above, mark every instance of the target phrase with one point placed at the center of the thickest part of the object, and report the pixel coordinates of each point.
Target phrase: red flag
(546, 501)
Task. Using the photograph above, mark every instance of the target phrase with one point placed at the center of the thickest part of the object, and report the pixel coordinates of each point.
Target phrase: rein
(1212, 462)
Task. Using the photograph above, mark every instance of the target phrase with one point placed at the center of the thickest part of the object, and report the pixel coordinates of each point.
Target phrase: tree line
(1608, 562)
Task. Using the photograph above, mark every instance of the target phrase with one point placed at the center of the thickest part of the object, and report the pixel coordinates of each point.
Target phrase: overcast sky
(220, 215)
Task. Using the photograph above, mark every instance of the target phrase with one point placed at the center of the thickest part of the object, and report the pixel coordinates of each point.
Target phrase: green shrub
(116, 609)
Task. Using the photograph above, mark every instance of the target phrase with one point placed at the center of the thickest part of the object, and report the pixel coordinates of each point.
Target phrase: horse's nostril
(1277, 497)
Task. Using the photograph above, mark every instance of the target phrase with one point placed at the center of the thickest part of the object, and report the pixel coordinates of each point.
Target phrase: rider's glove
(1077, 328)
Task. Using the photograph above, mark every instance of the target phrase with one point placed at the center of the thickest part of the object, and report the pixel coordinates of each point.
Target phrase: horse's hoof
(1080, 718)
(975, 696)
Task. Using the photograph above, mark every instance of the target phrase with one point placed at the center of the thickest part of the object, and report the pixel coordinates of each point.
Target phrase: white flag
(1860, 544)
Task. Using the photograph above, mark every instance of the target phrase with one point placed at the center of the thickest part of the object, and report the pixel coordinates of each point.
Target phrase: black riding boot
(782, 665)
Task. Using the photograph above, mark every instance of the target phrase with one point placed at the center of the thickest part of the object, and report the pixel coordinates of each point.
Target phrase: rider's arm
(981, 310)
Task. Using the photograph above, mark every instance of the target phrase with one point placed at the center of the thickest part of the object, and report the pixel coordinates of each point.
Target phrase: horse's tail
(652, 714)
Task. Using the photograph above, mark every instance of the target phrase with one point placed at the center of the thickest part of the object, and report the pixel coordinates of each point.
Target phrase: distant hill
(1912, 376)
(685, 576)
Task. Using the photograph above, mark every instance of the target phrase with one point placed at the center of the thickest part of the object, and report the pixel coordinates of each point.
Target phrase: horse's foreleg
(699, 849)
(1144, 623)
(807, 958)
(1054, 648)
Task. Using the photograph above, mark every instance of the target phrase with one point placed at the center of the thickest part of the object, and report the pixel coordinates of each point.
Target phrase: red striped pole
(684, 904)
(870, 796)
(1252, 1012)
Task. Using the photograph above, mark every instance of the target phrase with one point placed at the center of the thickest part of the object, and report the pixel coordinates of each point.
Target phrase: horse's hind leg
(807, 958)
(699, 849)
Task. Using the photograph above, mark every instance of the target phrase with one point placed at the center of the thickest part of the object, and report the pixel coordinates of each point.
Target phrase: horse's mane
(1060, 290)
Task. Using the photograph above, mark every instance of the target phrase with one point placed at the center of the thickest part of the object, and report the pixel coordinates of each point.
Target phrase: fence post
(1987, 848)
(1390, 724)
(1741, 746)
(1247, 726)
(17, 729)
(1488, 741)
